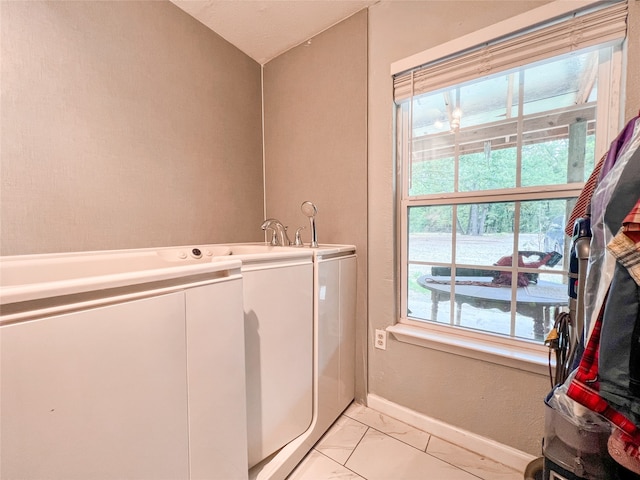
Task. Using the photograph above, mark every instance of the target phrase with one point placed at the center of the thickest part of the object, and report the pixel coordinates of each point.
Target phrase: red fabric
(625, 246)
(631, 223)
(633, 217)
(623, 451)
(504, 278)
(584, 387)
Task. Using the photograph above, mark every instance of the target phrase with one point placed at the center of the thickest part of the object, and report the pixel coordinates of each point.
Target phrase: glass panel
(430, 234)
(430, 114)
(432, 163)
(488, 169)
(538, 304)
(431, 175)
(484, 306)
(590, 154)
(558, 147)
(560, 161)
(559, 83)
(542, 224)
(484, 314)
(428, 299)
(484, 233)
(490, 100)
(544, 163)
(482, 297)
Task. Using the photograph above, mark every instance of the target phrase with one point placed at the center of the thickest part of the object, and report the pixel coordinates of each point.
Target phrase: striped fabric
(582, 207)
(625, 246)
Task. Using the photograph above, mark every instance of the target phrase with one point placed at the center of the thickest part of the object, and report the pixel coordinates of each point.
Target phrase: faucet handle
(285, 238)
(298, 241)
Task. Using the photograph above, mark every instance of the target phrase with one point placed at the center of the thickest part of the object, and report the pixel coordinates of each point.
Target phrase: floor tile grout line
(409, 445)
(367, 427)
(423, 451)
(354, 448)
(361, 423)
(411, 427)
(428, 442)
(430, 435)
(402, 441)
(345, 462)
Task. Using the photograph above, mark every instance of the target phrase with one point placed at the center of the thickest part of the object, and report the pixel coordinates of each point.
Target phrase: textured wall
(632, 107)
(315, 111)
(490, 400)
(124, 124)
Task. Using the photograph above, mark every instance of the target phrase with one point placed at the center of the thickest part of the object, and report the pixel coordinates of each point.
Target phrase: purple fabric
(623, 137)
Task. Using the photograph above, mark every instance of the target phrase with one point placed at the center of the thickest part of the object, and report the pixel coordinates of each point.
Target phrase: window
(490, 166)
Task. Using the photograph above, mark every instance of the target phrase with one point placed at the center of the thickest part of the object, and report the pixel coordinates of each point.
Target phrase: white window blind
(602, 24)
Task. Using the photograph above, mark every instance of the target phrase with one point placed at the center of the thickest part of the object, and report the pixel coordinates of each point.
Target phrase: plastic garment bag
(623, 176)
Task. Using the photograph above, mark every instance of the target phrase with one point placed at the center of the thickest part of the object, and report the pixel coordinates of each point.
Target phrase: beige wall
(124, 124)
(315, 114)
(632, 104)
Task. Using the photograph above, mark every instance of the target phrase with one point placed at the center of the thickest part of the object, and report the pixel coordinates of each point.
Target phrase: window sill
(515, 354)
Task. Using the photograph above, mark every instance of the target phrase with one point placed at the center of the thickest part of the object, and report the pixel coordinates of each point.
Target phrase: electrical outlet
(381, 339)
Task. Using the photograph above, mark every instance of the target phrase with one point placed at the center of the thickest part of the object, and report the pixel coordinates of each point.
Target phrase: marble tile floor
(364, 444)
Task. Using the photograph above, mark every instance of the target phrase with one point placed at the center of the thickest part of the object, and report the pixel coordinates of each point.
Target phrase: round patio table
(536, 300)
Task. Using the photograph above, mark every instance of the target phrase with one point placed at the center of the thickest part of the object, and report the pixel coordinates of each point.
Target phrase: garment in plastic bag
(601, 263)
(572, 411)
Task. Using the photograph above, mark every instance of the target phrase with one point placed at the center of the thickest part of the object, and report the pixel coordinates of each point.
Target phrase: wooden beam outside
(537, 128)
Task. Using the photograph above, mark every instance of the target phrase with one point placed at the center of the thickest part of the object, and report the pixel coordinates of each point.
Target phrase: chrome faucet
(281, 237)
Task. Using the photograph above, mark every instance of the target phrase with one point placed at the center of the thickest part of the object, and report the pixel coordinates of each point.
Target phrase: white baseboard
(486, 447)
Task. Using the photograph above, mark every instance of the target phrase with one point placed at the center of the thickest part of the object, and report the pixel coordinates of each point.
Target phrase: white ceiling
(263, 29)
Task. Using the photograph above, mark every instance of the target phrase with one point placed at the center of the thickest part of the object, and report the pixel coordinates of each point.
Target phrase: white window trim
(519, 354)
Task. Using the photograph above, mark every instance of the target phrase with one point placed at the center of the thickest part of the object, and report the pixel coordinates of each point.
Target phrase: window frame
(514, 352)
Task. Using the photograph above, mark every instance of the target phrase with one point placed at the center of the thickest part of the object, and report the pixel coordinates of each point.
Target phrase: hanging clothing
(585, 386)
(607, 380)
(623, 305)
(624, 442)
(615, 149)
(615, 194)
(624, 326)
(621, 315)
